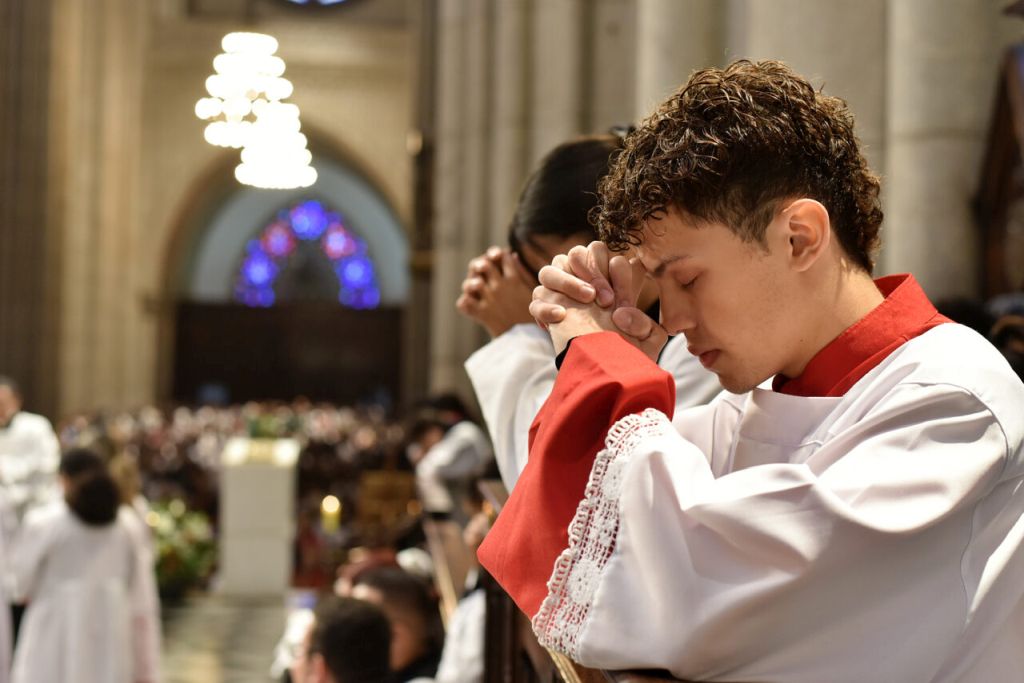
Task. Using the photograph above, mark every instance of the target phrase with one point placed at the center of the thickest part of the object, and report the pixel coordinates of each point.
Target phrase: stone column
(28, 270)
(611, 65)
(460, 212)
(556, 74)
(838, 45)
(941, 81)
(509, 131)
(95, 133)
(673, 39)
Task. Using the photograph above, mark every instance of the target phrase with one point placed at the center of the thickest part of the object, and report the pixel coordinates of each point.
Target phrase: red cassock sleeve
(603, 378)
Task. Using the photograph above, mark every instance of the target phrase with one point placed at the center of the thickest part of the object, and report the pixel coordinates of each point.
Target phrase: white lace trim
(592, 534)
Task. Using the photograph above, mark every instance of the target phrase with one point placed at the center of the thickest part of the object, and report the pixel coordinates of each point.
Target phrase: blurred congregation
(294, 398)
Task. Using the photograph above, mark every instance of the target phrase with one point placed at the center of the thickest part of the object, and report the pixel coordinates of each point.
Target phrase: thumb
(646, 334)
(633, 321)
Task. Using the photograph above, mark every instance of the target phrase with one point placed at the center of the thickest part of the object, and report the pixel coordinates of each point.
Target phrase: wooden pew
(452, 561)
(512, 653)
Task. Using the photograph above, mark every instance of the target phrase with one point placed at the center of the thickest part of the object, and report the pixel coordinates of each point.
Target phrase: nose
(676, 314)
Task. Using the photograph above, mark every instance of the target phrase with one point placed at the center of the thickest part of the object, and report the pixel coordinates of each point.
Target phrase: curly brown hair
(730, 146)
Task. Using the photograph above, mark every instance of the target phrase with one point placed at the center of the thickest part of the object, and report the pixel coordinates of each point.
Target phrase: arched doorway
(288, 293)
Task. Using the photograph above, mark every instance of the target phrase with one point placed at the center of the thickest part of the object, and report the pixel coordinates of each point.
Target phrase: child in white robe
(77, 565)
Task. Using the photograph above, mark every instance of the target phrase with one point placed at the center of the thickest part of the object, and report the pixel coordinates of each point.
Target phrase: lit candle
(330, 514)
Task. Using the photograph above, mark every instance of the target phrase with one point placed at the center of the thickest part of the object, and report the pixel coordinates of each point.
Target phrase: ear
(808, 231)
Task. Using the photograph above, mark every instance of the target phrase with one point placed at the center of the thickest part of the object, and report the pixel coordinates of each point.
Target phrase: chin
(736, 385)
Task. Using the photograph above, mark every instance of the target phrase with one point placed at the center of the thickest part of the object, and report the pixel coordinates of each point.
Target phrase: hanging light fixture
(275, 155)
(244, 110)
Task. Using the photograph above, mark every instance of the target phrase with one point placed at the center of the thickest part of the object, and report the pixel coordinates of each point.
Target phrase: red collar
(905, 313)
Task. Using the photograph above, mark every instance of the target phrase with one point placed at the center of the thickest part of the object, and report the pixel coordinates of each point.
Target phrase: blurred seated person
(449, 452)
(348, 641)
(416, 630)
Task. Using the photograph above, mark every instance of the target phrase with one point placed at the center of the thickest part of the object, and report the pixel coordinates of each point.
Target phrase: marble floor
(216, 639)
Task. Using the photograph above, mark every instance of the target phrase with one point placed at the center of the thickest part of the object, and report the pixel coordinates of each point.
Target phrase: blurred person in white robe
(513, 374)
(29, 453)
(8, 530)
(853, 511)
(124, 470)
(77, 565)
(450, 453)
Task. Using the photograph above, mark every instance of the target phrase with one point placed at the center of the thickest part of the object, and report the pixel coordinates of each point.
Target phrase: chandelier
(245, 111)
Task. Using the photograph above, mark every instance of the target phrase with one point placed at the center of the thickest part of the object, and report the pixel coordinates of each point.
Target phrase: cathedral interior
(251, 355)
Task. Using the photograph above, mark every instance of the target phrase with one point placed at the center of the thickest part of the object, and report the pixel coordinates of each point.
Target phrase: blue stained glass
(259, 269)
(309, 220)
(355, 272)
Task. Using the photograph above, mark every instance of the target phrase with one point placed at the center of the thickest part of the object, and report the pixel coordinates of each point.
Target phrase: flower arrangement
(184, 546)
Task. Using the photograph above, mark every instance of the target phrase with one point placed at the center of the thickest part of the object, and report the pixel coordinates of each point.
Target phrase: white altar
(257, 515)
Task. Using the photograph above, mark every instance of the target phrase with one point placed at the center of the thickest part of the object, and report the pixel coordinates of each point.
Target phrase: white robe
(29, 458)
(876, 536)
(512, 376)
(8, 529)
(462, 454)
(81, 586)
(146, 626)
(462, 660)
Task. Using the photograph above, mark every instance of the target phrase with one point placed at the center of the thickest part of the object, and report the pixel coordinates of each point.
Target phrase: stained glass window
(307, 222)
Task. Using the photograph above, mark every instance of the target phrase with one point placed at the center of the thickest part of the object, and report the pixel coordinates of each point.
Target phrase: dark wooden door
(319, 350)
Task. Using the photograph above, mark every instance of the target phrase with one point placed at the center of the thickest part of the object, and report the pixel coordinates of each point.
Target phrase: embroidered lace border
(592, 533)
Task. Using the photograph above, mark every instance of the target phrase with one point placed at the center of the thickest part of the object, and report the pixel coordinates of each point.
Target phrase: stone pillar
(838, 45)
(673, 39)
(941, 77)
(509, 132)
(28, 270)
(556, 74)
(460, 212)
(611, 65)
(95, 134)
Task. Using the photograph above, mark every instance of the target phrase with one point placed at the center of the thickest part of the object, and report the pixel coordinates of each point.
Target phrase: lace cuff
(592, 535)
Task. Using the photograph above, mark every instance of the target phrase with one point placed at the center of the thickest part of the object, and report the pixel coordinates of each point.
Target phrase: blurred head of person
(552, 215)
(89, 490)
(416, 631)
(10, 400)
(348, 642)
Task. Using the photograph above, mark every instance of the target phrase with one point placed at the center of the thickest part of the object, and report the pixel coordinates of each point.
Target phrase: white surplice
(81, 584)
(29, 458)
(462, 454)
(8, 530)
(147, 630)
(876, 536)
(512, 376)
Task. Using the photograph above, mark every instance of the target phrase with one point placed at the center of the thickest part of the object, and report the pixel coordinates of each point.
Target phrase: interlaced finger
(590, 264)
(558, 280)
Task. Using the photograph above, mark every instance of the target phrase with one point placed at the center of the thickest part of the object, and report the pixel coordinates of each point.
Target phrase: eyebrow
(665, 263)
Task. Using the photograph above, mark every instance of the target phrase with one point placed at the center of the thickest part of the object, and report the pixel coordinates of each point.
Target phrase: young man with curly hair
(851, 509)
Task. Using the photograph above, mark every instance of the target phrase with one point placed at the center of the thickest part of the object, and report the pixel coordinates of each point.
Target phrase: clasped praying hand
(589, 290)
